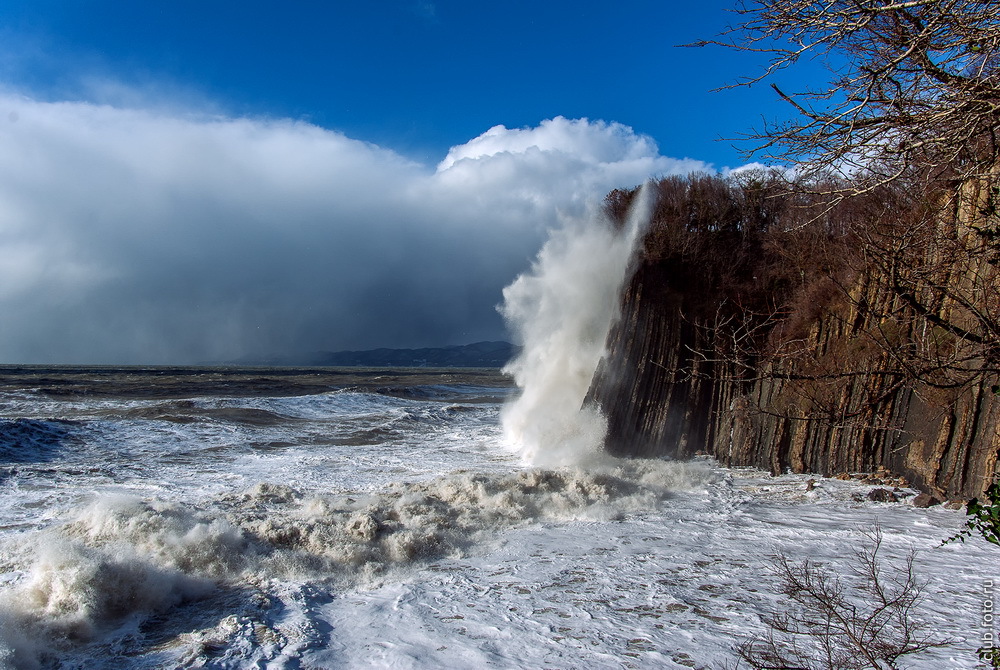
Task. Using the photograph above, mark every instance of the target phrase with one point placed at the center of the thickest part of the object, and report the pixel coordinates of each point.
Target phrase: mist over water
(179, 238)
(561, 311)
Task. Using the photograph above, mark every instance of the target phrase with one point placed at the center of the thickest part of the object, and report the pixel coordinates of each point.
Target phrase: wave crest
(122, 559)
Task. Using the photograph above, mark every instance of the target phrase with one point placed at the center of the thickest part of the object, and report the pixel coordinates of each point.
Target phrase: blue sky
(415, 76)
(202, 181)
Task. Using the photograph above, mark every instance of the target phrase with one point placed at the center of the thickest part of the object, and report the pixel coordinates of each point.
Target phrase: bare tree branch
(914, 85)
(865, 620)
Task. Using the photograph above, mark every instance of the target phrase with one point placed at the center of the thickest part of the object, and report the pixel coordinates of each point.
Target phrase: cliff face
(667, 389)
(829, 391)
(653, 404)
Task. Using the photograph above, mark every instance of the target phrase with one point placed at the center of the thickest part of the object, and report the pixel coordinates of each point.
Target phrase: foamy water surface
(325, 519)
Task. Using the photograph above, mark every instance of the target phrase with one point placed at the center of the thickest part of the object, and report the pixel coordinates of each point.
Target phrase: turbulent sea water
(339, 518)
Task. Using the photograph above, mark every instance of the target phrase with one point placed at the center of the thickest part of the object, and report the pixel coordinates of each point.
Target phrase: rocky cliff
(819, 383)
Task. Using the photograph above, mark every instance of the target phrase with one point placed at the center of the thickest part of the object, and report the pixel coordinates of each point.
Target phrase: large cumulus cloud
(142, 236)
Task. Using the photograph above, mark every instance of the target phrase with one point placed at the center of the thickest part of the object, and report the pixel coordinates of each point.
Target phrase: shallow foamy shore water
(381, 523)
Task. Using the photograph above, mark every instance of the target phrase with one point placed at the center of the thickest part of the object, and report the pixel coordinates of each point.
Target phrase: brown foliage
(844, 300)
(746, 251)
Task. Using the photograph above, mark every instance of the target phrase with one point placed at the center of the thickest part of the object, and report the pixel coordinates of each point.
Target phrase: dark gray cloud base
(142, 236)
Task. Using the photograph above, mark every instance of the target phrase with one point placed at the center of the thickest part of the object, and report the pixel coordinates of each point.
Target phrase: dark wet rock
(882, 495)
(925, 500)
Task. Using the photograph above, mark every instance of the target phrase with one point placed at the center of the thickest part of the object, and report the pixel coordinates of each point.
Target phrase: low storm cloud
(131, 235)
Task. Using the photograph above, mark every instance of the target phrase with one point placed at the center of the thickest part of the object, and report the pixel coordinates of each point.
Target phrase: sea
(201, 517)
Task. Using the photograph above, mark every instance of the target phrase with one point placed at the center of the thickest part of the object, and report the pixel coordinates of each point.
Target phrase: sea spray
(561, 311)
(120, 561)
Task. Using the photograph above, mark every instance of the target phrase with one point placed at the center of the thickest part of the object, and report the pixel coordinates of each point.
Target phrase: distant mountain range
(476, 355)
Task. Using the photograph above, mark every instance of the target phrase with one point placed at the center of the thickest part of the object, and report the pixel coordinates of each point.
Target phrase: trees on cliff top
(911, 111)
(914, 87)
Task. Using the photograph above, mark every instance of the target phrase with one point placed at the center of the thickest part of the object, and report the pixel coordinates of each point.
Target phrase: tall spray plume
(561, 311)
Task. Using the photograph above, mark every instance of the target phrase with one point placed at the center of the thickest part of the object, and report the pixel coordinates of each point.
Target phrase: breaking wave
(562, 311)
(120, 560)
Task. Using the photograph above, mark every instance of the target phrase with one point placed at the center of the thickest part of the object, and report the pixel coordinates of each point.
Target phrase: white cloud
(134, 235)
(591, 142)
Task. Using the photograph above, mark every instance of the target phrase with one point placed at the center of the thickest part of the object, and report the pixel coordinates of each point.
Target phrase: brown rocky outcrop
(827, 394)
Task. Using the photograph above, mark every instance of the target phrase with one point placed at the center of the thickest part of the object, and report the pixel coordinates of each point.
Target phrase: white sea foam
(132, 542)
(562, 311)
(122, 558)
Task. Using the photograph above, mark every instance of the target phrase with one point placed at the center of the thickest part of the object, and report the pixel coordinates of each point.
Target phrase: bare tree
(909, 118)
(829, 624)
(914, 89)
